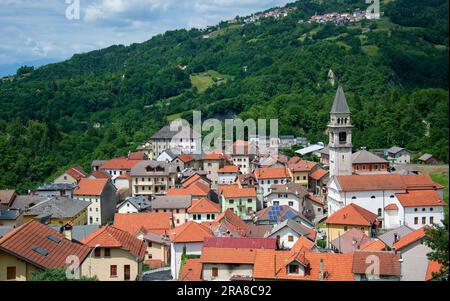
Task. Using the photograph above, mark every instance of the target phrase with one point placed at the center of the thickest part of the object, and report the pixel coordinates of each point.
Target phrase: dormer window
(294, 269)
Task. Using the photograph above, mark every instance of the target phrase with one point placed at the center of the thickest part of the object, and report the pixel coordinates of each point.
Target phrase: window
(97, 252)
(423, 209)
(353, 197)
(392, 196)
(416, 220)
(424, 220)
(290, 238)
(11, 273)
(249, 201)
(293, 269)
(415, 209)
(215, 272)
(178, 221)
(208, 216)
(380, 212)
(345, 228)
(113, 270)
(107, 252)
(372, 197)
(178, 210)
(150, 244)
(231, 202)
(304, 177)
(213, 216)
(431, 209)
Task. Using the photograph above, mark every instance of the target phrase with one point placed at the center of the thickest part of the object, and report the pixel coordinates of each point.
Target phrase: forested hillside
(104, 103)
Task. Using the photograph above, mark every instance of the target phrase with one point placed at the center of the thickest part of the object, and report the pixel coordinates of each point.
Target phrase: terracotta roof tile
(193, 179)
(315, 199)
(272, 173)
(100, 175)
(190, 232)
(191, 270)
(229, 169)
(415, 198)
(77, 173)
(374, 245)
(302, 165)
(132, 223)
(240, 242)
(111, 237)
(233, 191)
(91, 187)
(120, 164)
(232, 220)
(197, 189)
(204, 205)
(409, 239)
(434, 267)
(228, 255)
(186, 158)
(124, 176)
(389, 262)
(352, 215)
(318, 174)
(21, 241)
(302, 243)
(136, 156)
(391, 207)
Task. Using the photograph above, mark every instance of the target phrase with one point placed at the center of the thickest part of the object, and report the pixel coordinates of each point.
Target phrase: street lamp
(90, 258)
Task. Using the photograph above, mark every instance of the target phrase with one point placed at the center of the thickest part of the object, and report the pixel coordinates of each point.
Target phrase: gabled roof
(7, 197)
(197, 189)
(186, 158)
(111, 237)
(231, 221)
(229, 169)
(279, 214)
(91, 187)
(240, 242)
(190, 232)
(350, 241)
(191, 270)
(340, 105)
(120, 164)
(294, 226)
(136, 156)
(303, 244)
(425, 157)
(318, 174)
(193, 179)
(171, 202)
(100, 175)
(389, 237)
(139, 202)
(228, 255)
(385, 182)
(389, 262)
(409, 239)
(133, 223)
(374, 245)
(204, 205)
(302, 165)
(216, 155)
(41, 246)
(58, 207)
(152, 168)
(415, 198)
(391, 207)
(364, 156)
(272, 173)
(395, 149)
(293, 188)
(434, 267)
(180, 132)
(124, 176)
(233, 191)
(315, 199)
(270, 264)
(353, 215)
(77, 173)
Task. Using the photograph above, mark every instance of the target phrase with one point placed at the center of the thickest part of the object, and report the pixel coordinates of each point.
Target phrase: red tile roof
(318, 174)
(232, 221)
(111, 237)
(353, 215)
(302, 243)
(233, 191)
(91, 187)
(415, 198)
(216, 155)
(434, 267)
(240, 242)
(120, 164)
(124, 176)
(229, 169)
(302, 165)
(21, 241)
(190, 232)
(228, 255)
(272, 173)
(204, 205)
(136, 156)
(270, 264)
(374, 245)
(385, 182)
(391, 207)
(159, 223)
(197, 189)
(409, 239)
(186, 158)
(77, 173)
(100, 175)
(389, 262)
(193, 179)
(191, 270)
(315, 199)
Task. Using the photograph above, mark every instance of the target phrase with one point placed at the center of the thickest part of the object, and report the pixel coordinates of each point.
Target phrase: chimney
(321, 272)
(67, 231)
(396, 237)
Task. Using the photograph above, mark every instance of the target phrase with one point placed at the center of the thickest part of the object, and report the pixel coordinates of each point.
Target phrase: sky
(37, 32)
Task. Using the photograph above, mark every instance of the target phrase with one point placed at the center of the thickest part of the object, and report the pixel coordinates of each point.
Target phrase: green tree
(437, 240)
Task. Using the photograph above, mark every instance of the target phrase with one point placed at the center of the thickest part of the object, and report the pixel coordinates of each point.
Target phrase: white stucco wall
(176, 251)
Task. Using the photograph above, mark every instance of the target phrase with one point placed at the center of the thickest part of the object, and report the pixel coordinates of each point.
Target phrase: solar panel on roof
(289, 215)
(40, 251)
(54, 238)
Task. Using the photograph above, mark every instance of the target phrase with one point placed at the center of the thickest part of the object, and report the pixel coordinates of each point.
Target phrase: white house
(168, 155)
(133, 205)
(291, 195)
(123, 182)
(398, 155)
(266, 177)
(228, 174)
(288, 232)
(187, 238)
(412, 200)
(203, 210)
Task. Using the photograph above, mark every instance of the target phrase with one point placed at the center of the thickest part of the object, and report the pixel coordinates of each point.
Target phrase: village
(165, 212)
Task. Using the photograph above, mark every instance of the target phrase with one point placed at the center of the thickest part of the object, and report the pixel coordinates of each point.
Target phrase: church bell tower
(340, 136)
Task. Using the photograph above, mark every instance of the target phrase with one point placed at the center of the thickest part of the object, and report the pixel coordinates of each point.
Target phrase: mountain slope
(395, 76)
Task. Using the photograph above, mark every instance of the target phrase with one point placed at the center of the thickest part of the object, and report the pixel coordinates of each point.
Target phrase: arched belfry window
(342, 137)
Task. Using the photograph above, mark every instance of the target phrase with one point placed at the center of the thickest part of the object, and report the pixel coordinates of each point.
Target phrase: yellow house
(349, 217)
(34, 247)
(59, 211)
(117, 255)
(301, 169)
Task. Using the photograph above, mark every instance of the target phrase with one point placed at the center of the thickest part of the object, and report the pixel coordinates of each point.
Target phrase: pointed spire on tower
(340, 103)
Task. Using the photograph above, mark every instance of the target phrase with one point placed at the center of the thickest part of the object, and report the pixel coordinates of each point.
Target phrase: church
(412, 200)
